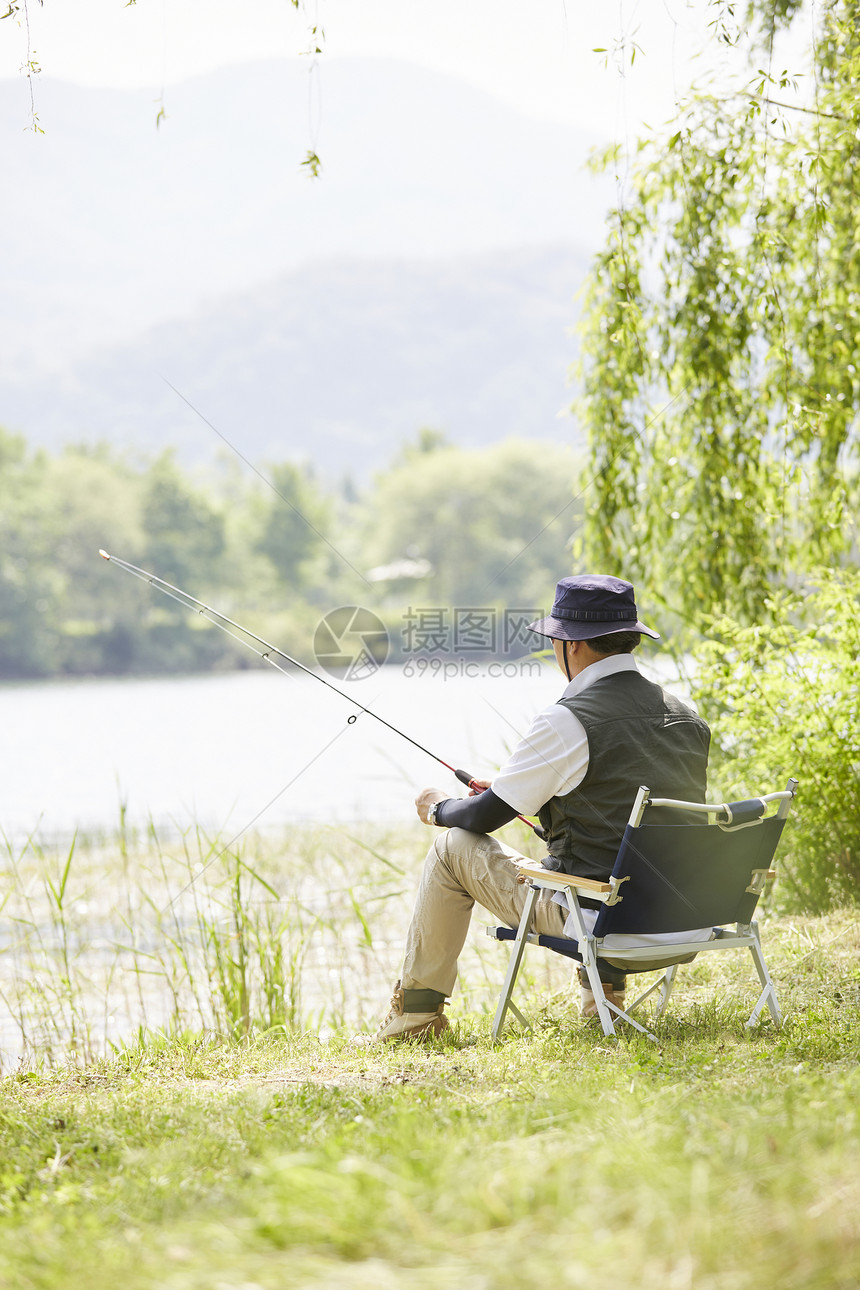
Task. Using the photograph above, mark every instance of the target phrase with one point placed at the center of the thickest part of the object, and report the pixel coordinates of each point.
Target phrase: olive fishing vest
(637, 734)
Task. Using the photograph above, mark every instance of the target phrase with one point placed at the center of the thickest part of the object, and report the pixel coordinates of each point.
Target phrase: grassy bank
(222, 1156)
(719, 1159)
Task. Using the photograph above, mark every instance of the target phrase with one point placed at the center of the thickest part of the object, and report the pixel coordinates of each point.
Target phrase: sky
(538, 58)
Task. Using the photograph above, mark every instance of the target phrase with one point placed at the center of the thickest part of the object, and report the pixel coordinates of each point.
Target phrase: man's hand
(479, 786)
(424, 799)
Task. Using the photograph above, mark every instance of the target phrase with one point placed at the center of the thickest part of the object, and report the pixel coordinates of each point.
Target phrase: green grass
(718, 1160)
(242, 1140)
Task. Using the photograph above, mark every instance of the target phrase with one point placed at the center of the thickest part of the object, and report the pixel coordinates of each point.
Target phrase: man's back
(637, 734)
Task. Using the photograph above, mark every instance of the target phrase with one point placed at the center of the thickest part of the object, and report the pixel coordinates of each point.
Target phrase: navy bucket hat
(592, 604)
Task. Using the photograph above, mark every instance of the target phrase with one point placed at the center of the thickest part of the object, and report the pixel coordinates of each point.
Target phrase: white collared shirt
(552, 757)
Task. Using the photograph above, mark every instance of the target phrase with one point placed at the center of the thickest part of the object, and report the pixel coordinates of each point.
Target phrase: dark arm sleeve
(480, 814)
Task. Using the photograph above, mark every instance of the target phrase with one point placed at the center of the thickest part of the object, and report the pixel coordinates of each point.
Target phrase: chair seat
(635, 958)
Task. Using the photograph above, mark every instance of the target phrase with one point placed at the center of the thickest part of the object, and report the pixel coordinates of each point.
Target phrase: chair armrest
(565, 881)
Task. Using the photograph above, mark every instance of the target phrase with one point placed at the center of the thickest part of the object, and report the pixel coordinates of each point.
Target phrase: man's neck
(580, 658)
(605, 665)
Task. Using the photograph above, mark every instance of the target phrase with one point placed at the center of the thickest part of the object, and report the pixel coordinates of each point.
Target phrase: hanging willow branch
(732, 274)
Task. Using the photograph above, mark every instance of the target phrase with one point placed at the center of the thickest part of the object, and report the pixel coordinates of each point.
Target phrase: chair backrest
(676, 878)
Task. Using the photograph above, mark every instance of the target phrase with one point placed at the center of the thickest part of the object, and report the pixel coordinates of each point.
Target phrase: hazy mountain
(337, 362)
(329, 316)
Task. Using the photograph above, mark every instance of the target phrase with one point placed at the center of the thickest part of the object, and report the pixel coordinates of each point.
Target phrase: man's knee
(461, 841)
(450, 852)
(456, 847)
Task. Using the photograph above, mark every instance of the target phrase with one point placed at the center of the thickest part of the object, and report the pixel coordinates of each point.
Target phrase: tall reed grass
(105, 943)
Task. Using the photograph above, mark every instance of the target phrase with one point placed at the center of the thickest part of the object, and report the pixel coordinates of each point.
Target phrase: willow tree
(722, 331)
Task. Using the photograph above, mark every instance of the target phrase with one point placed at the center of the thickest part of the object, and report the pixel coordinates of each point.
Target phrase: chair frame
(590, 948)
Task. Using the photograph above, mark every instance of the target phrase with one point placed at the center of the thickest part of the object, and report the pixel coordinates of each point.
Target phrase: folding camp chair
(695, 874)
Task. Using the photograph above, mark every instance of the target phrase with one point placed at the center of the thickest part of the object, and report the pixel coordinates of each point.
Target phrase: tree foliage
(784, 700)
(184, 529)
(292, 525)
(722, 335)
(494, 524)
(62, 611)
(722, 389)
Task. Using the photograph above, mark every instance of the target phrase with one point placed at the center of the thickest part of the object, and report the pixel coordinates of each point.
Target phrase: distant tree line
(441, 527)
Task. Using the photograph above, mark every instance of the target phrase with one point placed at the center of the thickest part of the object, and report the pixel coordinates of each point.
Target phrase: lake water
(225, 750)
(228, 750)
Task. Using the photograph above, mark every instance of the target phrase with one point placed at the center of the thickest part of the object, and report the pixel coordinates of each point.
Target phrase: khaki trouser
(462, 868)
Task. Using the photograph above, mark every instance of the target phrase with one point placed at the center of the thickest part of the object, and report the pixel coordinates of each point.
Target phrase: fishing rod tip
(104, 555)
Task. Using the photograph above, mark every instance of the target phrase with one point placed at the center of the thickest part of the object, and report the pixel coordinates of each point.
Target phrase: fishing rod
(218, 619)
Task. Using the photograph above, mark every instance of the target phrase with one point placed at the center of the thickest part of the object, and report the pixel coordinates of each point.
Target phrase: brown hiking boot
(589, 1003)
(421, 1026)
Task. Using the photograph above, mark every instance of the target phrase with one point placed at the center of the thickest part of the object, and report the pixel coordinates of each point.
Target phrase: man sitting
(578, 769)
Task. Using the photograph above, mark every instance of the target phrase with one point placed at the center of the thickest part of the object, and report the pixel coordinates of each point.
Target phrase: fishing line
(253, 820)
(322, 537)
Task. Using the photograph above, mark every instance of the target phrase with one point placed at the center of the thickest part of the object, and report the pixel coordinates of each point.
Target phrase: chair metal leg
(514, 965)
(589, 962)
(512, 1007)
(585, 942)
(623, 1015)
(768, 993)
(605, 1009)
(664, 985)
